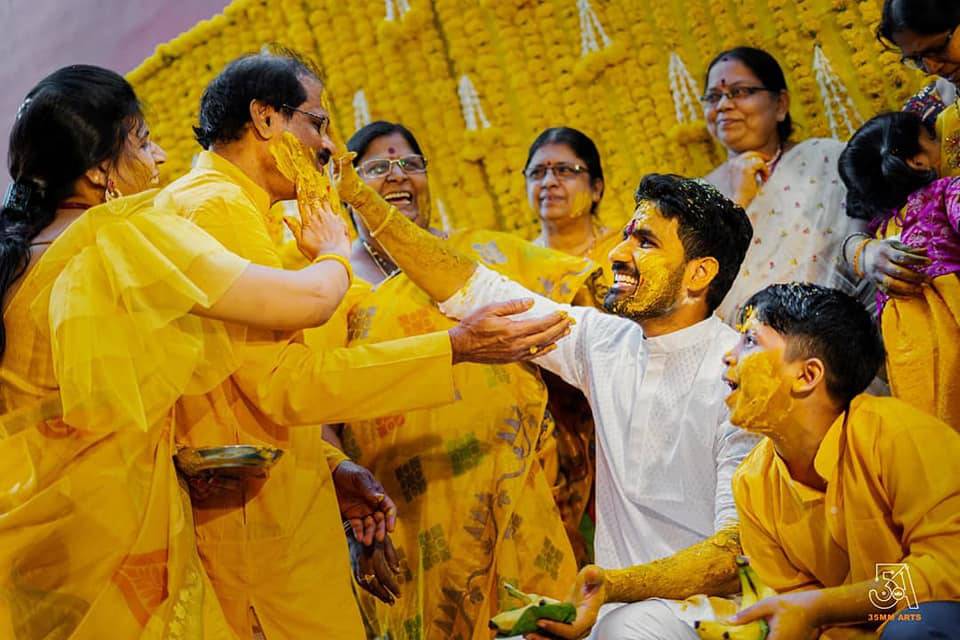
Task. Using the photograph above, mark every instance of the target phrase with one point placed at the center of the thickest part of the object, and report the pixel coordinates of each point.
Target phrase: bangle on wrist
(383, 225)
(341, 260)
(846, 241)
(857, 254)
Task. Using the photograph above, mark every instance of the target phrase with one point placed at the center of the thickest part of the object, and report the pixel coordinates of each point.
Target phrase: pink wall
(40, 36)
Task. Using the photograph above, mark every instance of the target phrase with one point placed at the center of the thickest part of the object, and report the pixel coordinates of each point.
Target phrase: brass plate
(192, 461)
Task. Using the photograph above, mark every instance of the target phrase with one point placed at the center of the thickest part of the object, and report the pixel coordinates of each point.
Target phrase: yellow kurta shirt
(280, 551)
(893, 496)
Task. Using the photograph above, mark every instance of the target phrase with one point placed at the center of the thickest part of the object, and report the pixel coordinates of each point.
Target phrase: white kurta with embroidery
(666, 450)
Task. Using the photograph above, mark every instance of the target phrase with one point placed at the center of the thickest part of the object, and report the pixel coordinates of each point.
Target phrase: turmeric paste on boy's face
(760, 399)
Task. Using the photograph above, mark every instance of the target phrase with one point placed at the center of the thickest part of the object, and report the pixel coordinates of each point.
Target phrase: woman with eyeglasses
(925, 31)
(474, 504)
(790, 189)
(564, 179)
(565, 185)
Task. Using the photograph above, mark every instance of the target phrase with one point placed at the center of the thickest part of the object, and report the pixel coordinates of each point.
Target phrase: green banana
(754, 590)
(527, 598)
(523, 619)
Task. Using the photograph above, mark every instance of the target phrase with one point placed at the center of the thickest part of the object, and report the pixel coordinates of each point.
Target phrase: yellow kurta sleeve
(294, 384)
(917, 470)
(333, 455)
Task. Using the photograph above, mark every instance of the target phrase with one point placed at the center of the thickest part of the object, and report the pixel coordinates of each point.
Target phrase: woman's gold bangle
(383, 225)
(857, 253)
(341, 260)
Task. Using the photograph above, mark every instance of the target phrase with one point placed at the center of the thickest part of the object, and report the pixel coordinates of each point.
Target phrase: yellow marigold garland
(524, 59)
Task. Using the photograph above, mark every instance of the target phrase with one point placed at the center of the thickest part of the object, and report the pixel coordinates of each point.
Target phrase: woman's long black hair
(73, 120)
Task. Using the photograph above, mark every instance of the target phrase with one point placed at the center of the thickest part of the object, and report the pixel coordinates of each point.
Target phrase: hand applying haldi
(488, 335)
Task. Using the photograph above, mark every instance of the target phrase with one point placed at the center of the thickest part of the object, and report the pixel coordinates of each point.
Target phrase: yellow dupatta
(96, 538)
(475, 506)
(948, 132)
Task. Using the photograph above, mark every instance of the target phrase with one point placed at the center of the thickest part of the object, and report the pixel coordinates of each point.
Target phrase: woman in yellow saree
(904, 175)
(475, 505)
(102, 331)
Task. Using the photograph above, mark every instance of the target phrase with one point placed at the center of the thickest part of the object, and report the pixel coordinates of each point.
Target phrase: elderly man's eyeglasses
(917, 61)
(713, 98)
(561, 170)
(321, 122)
(382, 166)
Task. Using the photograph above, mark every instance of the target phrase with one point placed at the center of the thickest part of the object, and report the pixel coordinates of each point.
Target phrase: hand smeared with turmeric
(296, 164)
(489, 335)
(706, 567)
(317, 199)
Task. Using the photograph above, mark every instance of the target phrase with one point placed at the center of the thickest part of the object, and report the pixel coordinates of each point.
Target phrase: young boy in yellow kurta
(275, 551)
(850, 507)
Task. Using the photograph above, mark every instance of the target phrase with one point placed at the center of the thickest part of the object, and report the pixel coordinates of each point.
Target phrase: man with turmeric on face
(843, 484)
(665, 450)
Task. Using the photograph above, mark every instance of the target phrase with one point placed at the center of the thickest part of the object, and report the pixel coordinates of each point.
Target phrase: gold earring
(111, 192)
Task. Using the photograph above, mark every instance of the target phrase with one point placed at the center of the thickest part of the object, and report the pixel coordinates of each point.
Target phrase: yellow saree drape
(475, 505)
(921, 336)
(948, 131)
(96, 536)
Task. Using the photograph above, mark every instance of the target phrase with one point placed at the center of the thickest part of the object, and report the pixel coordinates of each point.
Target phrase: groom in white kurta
(666, 450)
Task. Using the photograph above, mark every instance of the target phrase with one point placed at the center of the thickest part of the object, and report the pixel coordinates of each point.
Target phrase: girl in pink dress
(895, 178)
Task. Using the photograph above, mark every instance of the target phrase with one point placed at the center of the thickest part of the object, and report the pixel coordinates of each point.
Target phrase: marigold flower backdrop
(476, 80)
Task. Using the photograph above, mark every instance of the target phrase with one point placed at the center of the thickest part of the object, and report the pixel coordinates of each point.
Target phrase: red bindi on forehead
(391, 150)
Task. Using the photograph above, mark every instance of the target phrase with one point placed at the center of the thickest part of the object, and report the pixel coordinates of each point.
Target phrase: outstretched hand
(588, 594)
(489, 336)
